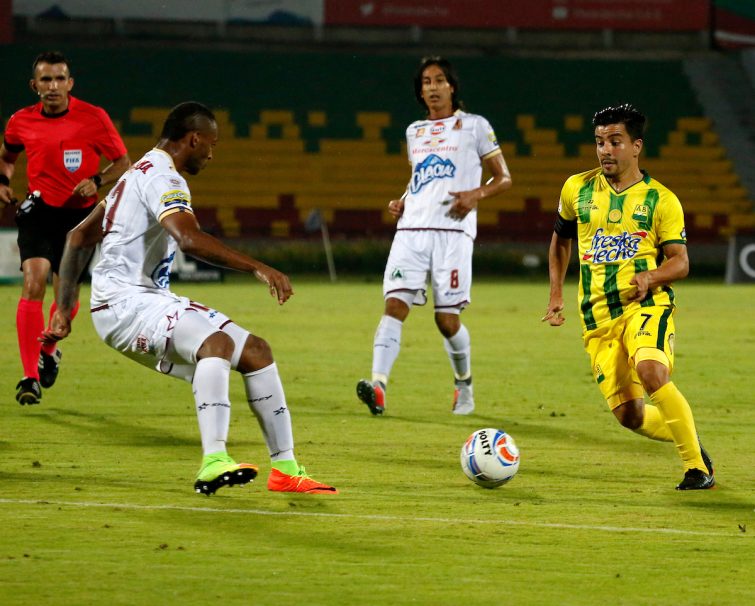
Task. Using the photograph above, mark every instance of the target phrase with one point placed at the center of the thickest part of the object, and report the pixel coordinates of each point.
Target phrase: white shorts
(143, 328)
(445, 255)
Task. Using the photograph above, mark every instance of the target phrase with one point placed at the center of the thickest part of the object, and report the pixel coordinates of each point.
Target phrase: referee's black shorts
(42, 231)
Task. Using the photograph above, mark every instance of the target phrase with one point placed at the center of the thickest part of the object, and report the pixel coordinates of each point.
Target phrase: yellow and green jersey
(619, 235)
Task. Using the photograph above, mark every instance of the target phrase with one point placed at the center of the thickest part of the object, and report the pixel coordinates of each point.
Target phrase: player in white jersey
(437, 224)
(144, 218)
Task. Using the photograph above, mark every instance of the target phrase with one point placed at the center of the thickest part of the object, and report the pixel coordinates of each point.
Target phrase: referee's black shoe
(28, 391)
(49, 367)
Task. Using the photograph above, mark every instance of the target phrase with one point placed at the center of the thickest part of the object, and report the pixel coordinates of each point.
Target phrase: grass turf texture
(98, 507)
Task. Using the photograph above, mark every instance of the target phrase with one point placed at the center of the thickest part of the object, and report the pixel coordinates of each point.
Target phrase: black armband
(97, 180)
(565, 229)
(4, 180)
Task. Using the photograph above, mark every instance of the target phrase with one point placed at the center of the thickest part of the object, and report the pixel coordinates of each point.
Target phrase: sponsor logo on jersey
(175, 197)
(683, 233)
(587, 206)
(457, 124)
(434, 142)
(609, 249)
(420, 131)
(437, 128)
(431, 168)
(174, 181)
(428, 149)
(161, 274)
(72, 159)
(397, 274)
(614, 215)
(492, 138)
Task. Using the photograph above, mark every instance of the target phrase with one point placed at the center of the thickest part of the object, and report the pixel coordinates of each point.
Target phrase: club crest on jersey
(141, 344)
(431, 168)
(72, 159)
(609, 249)
(640, 213)
(161, 274)
(420, 131)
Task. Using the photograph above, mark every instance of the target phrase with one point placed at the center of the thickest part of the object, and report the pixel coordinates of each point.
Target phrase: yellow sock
(675, 409)
(654, 425)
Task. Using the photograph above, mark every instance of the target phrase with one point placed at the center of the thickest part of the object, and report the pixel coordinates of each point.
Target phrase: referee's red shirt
(63, 149)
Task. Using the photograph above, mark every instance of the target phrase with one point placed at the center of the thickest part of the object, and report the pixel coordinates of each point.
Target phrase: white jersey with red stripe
(446, 156)
(137, 252)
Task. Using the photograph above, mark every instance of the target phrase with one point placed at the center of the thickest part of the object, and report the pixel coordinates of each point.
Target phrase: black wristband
(4, 180)
(97, 180)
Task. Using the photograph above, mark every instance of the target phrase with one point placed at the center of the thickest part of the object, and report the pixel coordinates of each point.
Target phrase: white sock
(459, 353)
(210, 387)
(264, 392)
(185, 372)
(386, 347)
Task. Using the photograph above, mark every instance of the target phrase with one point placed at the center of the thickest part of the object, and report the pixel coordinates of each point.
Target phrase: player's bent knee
(256, 355)
(448, 324)
(630, 414)
(652, 367)
(217, 345)
(398, 305)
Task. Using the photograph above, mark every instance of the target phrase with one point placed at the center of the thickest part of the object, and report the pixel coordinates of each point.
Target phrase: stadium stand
(326, 131)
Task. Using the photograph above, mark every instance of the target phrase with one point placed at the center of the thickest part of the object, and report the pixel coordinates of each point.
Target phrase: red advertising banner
(657, 15)
(733, 30)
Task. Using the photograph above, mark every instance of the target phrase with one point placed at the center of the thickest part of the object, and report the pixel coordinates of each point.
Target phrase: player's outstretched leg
(372, 394)
(264, 392)
(49, 366)
(218, 470)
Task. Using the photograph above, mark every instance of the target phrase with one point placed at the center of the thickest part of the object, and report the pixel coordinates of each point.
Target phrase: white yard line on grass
(353, 516)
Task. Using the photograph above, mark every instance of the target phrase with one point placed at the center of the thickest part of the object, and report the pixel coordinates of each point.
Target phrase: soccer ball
(489, 457)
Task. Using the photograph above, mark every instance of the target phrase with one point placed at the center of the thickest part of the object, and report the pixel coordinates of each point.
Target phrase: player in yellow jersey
(632, 246)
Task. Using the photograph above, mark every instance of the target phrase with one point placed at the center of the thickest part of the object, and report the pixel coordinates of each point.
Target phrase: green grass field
(97, 503)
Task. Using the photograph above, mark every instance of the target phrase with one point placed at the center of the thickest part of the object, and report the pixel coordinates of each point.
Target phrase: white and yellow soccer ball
(490, 457)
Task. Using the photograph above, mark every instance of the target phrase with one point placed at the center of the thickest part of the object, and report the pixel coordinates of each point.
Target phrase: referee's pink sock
(30, 322)
(49, 348)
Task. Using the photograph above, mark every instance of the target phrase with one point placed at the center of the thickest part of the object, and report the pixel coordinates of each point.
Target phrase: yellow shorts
(645, 333)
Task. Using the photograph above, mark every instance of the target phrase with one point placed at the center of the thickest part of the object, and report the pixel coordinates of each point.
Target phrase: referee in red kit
(64, 139)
